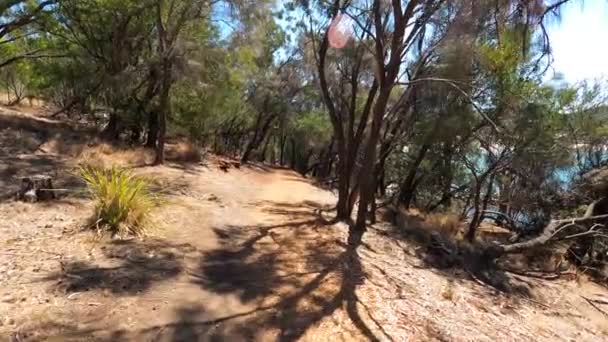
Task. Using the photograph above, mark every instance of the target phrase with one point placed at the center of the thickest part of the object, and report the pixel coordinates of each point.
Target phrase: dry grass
(448, 290)
(446, 224)
(105, 155)
(59, 144)
(183, 152)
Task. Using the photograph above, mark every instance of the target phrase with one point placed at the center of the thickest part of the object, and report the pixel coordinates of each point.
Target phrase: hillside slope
(243, 255)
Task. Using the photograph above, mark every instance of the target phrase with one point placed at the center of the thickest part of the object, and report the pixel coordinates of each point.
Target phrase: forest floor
(238, 256)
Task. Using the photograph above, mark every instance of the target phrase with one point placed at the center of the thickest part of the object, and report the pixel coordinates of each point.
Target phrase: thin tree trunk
(111, 131)
(367, 182)
(408, 186)
(283, 141)
(474, 220)
(479, 206)
(152, 130)
(265, 150)
(163, 112)
(293, 154)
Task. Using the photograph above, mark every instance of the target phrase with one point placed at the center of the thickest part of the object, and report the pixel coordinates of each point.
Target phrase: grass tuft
(123, 201)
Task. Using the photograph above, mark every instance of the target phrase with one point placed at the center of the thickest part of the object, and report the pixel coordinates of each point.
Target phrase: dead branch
(549, 233)
(591, 302)
(546, 275)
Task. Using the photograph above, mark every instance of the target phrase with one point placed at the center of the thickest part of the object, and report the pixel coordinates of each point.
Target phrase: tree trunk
(283, 141)
(265, 150)
(476, 213)
(343, 172)
(152, 130)
(163, 112)
(293, 154)
(367, 182)
(408, 186)
(253, 143)
(480, 206)
(111, 131)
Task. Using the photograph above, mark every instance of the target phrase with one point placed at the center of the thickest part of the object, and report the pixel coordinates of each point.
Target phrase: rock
(29, 196)
(9, 321)
(48, 225)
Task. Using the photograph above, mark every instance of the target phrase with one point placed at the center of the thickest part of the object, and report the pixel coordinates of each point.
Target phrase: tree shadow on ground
(450, 257)
(21, 138)
(296, 273)
(292, 275)
(137, 266)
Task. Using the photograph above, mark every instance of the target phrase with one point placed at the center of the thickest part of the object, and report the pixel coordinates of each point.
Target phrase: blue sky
(580, 41)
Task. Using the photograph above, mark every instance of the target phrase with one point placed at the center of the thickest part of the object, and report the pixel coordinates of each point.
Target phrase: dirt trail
(245, 255)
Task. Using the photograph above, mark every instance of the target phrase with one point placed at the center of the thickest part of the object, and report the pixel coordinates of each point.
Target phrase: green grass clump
(123, 200)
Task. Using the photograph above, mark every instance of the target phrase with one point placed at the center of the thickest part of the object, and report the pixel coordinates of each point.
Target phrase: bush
(123, 200)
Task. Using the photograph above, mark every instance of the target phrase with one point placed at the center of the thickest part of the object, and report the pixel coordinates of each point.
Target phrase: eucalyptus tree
(18, 19)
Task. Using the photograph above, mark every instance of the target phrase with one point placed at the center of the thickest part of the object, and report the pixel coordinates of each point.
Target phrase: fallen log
(550, 232)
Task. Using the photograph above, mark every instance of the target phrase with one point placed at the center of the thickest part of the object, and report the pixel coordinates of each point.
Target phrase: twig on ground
(71, 296)
(538, 274)
(535, 302)
(591, 302)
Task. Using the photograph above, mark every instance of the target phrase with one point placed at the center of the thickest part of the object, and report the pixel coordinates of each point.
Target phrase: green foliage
(314, 128)
(243, 77)
(123, 201)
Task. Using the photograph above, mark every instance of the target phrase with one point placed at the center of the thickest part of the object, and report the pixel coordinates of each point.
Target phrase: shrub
(183, 152)
(123, 200)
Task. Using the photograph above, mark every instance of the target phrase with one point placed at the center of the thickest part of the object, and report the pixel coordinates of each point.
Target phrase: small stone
(9, 321)
(30, 196)
(48, 225)
(8, 299)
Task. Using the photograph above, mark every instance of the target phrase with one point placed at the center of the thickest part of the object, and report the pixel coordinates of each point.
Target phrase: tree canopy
(441, 105)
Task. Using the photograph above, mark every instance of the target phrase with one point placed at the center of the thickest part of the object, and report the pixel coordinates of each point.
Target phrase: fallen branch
(549, 232)
(536, 274)
(591, 302)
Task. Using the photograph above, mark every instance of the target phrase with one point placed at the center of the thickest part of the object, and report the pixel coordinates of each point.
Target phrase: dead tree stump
(36, 188)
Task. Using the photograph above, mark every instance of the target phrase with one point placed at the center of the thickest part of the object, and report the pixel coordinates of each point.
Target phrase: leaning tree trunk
(408, 187)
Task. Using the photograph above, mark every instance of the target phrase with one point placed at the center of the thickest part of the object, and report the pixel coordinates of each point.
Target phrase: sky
(580, 41)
